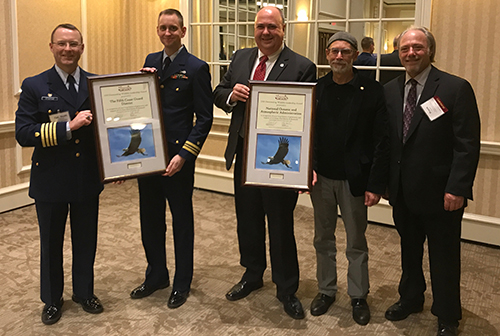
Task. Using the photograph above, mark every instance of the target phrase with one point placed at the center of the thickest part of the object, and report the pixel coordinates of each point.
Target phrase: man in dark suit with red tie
(53, 117)
(186, 91)
(271, 60)
(435, 143)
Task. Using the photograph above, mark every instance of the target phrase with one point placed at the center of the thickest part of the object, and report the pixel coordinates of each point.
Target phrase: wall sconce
(302, 15)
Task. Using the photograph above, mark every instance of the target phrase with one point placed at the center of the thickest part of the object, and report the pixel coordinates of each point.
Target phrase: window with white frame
(220, 27)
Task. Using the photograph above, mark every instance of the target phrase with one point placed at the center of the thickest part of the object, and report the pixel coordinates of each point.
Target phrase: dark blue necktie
(71, 88)
(166, 63)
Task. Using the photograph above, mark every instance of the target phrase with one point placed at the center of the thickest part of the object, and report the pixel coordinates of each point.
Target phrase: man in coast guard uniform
(186, 91)
(53, 117)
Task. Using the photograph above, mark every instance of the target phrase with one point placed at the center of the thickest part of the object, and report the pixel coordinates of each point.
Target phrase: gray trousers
(325, 196)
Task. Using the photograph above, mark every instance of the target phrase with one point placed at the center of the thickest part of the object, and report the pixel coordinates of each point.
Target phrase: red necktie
(260, 71)
(411, 103)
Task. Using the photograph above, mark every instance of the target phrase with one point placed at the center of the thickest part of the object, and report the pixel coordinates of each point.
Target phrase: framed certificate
(279, 135)
(128, 123)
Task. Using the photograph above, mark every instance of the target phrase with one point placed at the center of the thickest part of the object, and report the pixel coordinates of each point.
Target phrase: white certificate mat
(126, 102)
(279, 135)
(281, 111)
(128, 122)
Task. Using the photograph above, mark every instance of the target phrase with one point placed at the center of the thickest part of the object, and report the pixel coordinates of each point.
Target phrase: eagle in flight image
(135, 141)
(279, 157)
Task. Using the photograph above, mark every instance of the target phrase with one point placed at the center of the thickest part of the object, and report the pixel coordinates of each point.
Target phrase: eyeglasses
(344, 52)
(63, 44)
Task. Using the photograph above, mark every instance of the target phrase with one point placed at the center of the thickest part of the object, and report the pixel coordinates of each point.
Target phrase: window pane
(332, 9)
(202, 11)
(362, 29)
(364, 9)
(396, 9)
(202, 42)
(225, 45)
(242, 16)
(301, 39)
(245, 31)
(391, 30)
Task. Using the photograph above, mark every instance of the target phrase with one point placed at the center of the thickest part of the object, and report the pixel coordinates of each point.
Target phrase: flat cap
(343, 36)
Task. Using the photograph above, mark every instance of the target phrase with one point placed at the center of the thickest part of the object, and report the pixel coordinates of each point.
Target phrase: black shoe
(445, 329)
(177, 299)
(399, 311)
(52, 313)
(321, 303)
(145, 290)
(292, 306)
(242, 289)
(360, 311)
(92, 305)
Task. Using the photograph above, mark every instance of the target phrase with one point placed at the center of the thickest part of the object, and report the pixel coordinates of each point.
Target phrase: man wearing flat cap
(350, 171)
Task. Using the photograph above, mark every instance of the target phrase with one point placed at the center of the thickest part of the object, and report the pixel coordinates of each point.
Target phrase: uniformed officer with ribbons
(53, 117)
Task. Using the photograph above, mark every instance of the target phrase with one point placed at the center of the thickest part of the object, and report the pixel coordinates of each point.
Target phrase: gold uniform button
(198, 143)
(77, 141)
(37, 134)
(50, 111)
(176, 89)
(77, 154)
(176, 141)
(162, 86)
(36, 164)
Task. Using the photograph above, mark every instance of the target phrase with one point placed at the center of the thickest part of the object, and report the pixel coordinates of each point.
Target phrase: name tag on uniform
(50, 98)
(60, 117)
(434, 108)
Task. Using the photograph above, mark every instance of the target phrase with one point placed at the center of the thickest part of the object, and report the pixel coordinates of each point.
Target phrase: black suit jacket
(289, 66)
(392, 60)
(62, 170)
(366, 143)
(185, 92)
(439, 156)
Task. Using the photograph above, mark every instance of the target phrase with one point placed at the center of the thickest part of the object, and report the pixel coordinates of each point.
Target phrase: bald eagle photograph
(131, 142)
(278, 152)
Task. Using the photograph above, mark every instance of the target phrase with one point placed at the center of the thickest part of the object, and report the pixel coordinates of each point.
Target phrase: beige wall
(119, 36)
(121, 33)
(468, 40)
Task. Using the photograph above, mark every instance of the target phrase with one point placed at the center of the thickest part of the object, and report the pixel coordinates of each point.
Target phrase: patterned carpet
(120, 267)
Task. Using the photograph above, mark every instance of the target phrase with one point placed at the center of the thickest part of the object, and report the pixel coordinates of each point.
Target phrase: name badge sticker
(434, 108)
(60, 117)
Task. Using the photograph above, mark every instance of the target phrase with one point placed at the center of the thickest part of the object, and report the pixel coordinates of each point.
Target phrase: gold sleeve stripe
(54, 133)
(43, 136)
(50, 141)
(49, 134)
(192, 148)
